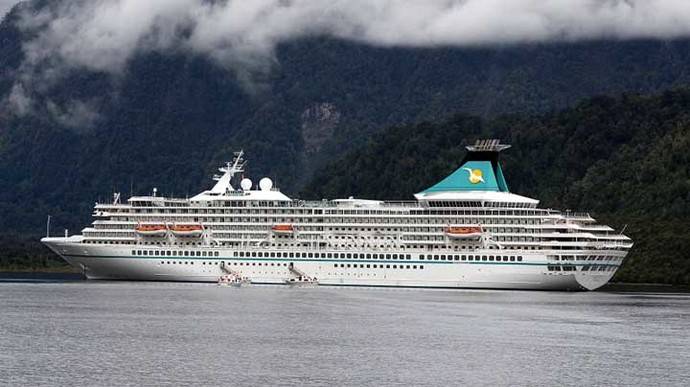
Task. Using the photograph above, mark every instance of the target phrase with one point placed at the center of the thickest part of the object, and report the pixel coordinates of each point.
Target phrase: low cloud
(5, 6)
(18, 100)
(75, 114)
(102, 35)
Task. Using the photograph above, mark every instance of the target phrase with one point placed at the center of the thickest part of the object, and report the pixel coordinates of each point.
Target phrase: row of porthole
(376, 266)
(222, 262)
(175, 253)
(323, 255)
(489, 258)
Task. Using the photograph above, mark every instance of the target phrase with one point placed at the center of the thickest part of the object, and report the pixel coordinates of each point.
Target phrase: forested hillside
(626, 160)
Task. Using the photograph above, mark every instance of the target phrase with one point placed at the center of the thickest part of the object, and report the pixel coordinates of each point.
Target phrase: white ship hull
(117, 263)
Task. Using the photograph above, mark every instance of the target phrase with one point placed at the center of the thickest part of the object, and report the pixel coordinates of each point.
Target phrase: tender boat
(152, 230)
(463, 232)
(231, 280)
(283, 229)
(302, 281)
(187, 230)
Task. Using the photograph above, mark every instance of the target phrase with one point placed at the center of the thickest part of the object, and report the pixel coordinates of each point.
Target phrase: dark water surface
(88, 333)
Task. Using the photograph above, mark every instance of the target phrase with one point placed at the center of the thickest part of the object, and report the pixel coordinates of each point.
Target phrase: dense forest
(626, 160)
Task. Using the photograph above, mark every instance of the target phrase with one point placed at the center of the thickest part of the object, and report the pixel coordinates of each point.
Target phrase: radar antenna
(229, 170)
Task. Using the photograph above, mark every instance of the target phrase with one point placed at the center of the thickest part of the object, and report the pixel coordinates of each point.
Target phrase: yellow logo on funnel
(475, 175)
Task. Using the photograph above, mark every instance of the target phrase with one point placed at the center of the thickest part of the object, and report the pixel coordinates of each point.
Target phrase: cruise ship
(466, 231)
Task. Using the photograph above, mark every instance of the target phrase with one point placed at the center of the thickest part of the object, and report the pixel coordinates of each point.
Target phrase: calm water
(120, 333)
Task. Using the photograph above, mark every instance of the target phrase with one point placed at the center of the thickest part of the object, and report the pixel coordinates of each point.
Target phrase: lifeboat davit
(283, 229)
(187, 230)
(153, 230)
(463, 232)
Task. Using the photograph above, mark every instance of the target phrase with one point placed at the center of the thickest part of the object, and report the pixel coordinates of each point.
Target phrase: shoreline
(643, 287)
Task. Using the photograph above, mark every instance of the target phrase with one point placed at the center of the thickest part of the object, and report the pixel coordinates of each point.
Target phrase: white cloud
(102, 35)
(5, 6)
(18, 100)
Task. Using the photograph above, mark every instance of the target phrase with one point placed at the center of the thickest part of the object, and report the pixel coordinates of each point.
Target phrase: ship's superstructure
(467, 231)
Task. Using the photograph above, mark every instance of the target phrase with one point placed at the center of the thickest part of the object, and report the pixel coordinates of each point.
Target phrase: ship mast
(229, 170)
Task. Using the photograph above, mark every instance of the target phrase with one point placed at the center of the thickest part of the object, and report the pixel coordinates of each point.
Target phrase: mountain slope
(627, 160)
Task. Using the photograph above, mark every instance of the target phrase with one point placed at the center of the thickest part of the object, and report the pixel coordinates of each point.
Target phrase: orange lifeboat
(154, 230)
(463, 232)
(283, 229)
(187, 230)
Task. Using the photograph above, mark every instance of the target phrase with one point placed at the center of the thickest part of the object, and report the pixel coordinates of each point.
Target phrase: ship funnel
(479, 170)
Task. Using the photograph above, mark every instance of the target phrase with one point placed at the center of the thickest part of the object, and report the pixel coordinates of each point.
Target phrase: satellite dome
(246, 184)
(265, 184)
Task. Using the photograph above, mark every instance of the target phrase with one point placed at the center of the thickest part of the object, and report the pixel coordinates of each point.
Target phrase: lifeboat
(187, 230)
(153, 230)
(283, 229)
(463, 232)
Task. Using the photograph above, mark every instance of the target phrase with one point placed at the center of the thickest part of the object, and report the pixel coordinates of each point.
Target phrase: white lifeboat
(187, 230)
(283, 229)
(463, 232)
(152, 230)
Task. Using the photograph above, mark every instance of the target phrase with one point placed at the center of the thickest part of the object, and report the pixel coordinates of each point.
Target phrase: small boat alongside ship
(234, 281)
